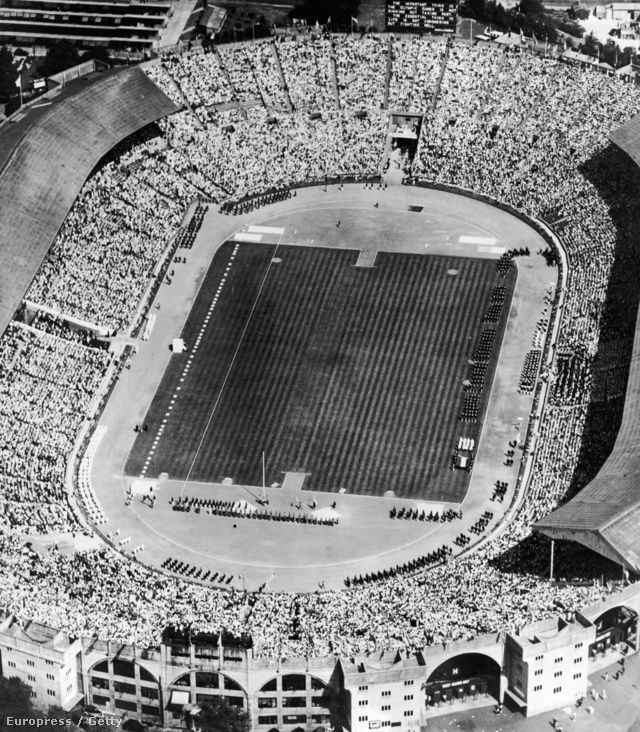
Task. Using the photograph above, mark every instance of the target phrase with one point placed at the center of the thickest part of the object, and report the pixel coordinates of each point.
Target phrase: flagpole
(264, 489)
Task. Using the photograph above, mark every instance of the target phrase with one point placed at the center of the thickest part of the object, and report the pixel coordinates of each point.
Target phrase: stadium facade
(540, 667)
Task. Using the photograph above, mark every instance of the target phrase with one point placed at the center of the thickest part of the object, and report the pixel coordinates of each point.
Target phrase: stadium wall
(159, 685)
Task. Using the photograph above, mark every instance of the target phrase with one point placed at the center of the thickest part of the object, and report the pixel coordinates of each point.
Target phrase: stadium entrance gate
(467, 675)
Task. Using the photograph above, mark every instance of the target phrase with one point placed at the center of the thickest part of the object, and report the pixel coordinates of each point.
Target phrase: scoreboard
(437, 16)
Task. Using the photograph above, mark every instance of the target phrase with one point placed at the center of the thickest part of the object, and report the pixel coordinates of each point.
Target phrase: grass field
(353, 375)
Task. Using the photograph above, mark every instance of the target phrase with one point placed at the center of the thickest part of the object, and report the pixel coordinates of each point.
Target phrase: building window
(30, 677)
(577, 676)
(409, 713)
(558, 660)
(363, 688)
(408, 683)
(30, 663)
(538, 687)
(577, 660)
(69, 688)
(33, 695)
(11, 664)
(271, 719)
(363, 702)
(51, 693)
(126, 705)
(539, 658)
(557, 689)
(386, 692)
(386, 707)
(556, 674)
(537, 672)
(122, 687)
(408, 697)
(578, 645)
(51, 677)
(363, 719)
(49, 663)
(67, 672)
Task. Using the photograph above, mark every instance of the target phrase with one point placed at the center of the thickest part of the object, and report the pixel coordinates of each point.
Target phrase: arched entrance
(467, 675)
(616, 627)
(121, 686)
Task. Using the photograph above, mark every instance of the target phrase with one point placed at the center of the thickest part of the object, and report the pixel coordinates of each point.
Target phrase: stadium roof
(605, 515)
(627, 138)
(49, 164)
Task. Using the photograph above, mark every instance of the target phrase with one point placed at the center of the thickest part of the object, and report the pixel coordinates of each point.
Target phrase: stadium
(302, 341)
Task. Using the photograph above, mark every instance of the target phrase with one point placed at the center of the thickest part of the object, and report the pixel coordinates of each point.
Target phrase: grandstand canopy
(49, 165)
(605, 515)
(627, 138)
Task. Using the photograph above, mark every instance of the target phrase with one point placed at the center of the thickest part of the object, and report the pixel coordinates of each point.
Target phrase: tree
(591, 45)
(531, 8)
(100, 53)
(340, 12)
(61, 56)
(57, 712)
(15, 701)
(8, 75)
(218, 715)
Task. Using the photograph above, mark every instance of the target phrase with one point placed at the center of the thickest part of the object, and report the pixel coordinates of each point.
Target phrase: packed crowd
(415, 72)
(104, 256)
(47, 384)
(278, 152)
(308, 75)
(540, 160)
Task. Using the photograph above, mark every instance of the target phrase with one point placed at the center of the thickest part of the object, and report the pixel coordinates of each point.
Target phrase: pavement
(296, 556)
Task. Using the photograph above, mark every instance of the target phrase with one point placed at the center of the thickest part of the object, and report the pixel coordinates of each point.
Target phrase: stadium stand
(50, 164)
(550, 161)
(605, 515)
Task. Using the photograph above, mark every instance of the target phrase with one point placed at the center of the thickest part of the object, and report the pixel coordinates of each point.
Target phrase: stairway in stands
(285, 88)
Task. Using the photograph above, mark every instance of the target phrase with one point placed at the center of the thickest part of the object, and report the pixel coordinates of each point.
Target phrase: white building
(44, 658)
